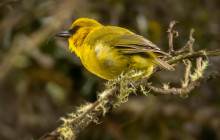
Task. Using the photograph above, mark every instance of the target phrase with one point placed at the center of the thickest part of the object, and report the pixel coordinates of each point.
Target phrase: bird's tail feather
(159, 62)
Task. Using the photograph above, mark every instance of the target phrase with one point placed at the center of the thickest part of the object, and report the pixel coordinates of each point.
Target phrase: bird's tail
(159, 62)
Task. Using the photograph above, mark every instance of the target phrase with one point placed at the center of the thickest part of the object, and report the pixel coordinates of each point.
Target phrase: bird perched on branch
(107, 51)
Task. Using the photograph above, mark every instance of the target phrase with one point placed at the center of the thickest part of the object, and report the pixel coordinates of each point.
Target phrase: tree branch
(184, 90)
(203, 54)
(171, 32)
(82, 120)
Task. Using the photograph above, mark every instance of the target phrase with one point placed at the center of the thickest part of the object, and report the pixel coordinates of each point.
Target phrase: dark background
(41, 82)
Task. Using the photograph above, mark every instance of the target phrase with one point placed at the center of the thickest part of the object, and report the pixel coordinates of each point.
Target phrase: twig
(171, 32)
(188, 46)
(194, 55)
(199, 63)
(191, 40)
(187, 73)
(185, 90)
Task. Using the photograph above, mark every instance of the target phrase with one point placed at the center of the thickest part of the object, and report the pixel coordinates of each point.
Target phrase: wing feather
(126, 42)
(132, 44)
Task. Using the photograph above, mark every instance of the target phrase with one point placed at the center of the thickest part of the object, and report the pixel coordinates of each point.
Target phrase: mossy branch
(75, 123)
(183, 90)
(118, 90)
(189, 55)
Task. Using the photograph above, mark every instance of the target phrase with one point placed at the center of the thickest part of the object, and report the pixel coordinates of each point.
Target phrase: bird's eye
(76, 28)
(73, 31)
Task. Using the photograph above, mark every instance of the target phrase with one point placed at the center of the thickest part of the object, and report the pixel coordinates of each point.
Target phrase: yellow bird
(107, 51)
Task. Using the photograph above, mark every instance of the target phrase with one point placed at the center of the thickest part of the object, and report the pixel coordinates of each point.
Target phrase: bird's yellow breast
(102, 60)
(106, 62)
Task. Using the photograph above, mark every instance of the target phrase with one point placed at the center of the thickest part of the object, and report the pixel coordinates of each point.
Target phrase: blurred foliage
(45, 81)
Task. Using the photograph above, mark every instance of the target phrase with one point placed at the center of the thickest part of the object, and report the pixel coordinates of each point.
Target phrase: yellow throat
(79, 30)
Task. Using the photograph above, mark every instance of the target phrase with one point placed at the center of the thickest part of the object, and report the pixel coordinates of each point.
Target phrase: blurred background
(41, 80)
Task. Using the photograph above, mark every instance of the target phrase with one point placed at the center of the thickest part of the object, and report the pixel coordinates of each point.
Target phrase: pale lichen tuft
(166, 86)
(199, 72)
(143, 90)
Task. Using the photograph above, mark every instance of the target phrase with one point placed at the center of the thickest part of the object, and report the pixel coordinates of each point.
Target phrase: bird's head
(79, 31)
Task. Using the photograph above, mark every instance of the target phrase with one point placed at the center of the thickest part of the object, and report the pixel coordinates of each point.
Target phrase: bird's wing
(131, 44)
(134, 44)
(127, 42)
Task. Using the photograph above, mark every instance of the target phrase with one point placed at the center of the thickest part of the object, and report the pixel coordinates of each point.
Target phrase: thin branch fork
(188, 46)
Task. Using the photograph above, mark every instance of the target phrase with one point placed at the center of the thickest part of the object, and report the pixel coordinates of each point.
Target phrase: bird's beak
(65, 34)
